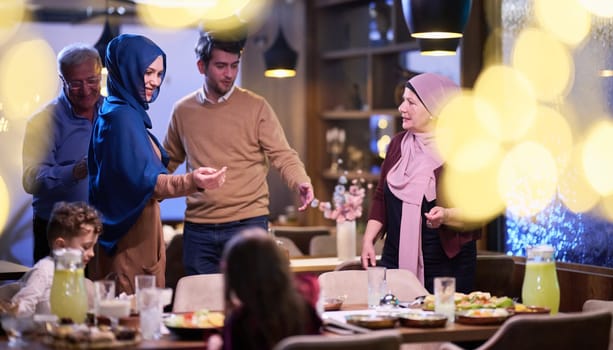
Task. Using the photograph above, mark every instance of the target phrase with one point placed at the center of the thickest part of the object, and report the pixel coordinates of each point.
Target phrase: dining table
(11, 271)
(451, 332)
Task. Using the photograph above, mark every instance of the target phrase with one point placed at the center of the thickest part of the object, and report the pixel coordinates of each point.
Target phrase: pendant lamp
(108, 33)
(438, 47)
(436, 19)
(280, 58)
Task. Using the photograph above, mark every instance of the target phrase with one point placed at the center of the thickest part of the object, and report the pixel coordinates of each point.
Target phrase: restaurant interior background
(582, 234)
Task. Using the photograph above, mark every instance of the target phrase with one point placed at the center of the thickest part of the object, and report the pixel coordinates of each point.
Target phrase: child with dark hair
(71, 225)
(263, 302)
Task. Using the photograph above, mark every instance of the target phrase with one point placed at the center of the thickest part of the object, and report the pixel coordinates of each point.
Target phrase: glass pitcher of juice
(540, 287)
(68, 296)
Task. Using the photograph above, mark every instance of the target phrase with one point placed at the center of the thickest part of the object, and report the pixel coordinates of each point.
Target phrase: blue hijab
(123, 166)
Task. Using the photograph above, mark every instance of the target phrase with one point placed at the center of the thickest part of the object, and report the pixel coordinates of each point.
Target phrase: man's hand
(79, 171)
(306, 195)
(209, 178)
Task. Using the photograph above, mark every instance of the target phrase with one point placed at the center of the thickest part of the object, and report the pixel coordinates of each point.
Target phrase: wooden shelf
(356, 52)
(334, 175)
(354, 74)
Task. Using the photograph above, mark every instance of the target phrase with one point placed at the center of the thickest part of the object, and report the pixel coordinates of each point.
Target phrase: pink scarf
(411, 179)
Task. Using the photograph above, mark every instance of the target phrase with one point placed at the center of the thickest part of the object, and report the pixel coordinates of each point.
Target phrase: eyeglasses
(76, 85)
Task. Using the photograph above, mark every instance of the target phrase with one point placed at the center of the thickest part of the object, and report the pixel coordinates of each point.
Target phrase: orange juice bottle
(540, 286)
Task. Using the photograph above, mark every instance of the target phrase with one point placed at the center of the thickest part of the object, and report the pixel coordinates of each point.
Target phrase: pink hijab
(412, 177)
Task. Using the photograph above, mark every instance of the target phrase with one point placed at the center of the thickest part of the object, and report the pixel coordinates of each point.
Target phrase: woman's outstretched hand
(209, 178)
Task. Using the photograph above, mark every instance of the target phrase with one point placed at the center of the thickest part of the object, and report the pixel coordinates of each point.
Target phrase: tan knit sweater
(242, 133)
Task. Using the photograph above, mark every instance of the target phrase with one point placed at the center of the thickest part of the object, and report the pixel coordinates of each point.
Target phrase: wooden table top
(11, 271)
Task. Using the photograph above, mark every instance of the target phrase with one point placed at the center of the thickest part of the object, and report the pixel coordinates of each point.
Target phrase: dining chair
(380, 340)
(199, 292)
(353, 285)
(571, 331)
(291, 247)
(596, 305)
(300, 235)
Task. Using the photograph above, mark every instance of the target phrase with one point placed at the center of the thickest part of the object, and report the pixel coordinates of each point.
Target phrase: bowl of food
(423, 320)
(373, 321)
(483, 316)
(521, 309)
(333, 304)
(194, 325)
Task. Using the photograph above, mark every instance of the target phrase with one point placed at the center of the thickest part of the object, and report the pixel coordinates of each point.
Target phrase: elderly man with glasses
(57, 138)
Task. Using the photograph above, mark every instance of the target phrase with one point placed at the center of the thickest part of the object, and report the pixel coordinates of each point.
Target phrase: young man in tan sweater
(221, 124)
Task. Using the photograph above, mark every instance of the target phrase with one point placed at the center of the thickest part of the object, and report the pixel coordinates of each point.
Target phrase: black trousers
(41, 244)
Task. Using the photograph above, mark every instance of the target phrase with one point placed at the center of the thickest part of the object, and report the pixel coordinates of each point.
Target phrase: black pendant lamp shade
(438, 47)
(436, 19)
(280, 59)
(108, 33)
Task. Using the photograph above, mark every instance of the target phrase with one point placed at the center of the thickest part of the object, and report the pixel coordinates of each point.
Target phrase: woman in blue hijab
(127, 167)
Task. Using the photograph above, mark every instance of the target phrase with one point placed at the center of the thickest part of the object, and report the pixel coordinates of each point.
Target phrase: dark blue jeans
(203, 244)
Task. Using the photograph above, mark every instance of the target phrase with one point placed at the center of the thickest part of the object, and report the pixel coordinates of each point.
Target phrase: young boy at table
(71, 225)
(264, 302)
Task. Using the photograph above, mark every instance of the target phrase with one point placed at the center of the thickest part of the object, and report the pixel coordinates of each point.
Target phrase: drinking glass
(444, 297)
(142, 282)
(376, 285)
(150, 308)
(15, 326)
(107, 304)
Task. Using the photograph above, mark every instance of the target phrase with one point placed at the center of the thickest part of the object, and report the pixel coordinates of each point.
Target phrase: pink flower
(346, 204)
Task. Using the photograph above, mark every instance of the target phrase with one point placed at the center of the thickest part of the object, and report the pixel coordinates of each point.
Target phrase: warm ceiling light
(436, 19)
(438, 47)
(280, 59)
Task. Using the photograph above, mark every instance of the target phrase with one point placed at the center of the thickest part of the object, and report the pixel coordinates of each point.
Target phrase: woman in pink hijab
(419, 233)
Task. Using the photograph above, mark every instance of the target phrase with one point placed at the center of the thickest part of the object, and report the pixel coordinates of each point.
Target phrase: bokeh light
(527, 179)
(606, 207)
(29, 77)
(574, 188)
(567, 20)
(155, 15)
(598, 157)
(212, 15)
(462, 140)
(551, 130)
(545, 62)
(474, 193)
(12, 14)
(602, 8)
(5, 204)
(512, 98)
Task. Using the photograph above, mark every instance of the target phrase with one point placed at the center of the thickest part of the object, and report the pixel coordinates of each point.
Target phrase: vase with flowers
(345, 208)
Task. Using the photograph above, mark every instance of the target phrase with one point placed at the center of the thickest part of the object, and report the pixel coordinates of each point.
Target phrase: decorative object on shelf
(280, 58)
(335, 143)
(436, 19)
(381, 14)
(438, 47)
(355, 158)
(345, 208)
(355, 98)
